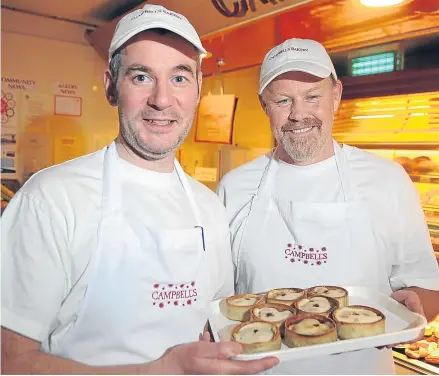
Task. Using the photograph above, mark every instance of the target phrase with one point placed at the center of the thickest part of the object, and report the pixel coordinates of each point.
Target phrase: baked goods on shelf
(358, 321)
(424, 349)
(433, 357)
(270, 312)
(430, 198)
(419, 165)
(239, 305)
(424, 165)
(322, 305)
(406, 163)
(309, 329)
(285, 296)
(257, 336)
(338, 293)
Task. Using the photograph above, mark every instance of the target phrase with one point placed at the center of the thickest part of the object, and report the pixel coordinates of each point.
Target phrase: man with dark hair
(109, 261)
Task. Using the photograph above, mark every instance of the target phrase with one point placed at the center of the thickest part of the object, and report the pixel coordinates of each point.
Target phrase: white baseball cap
(150, 17)
(303, 55)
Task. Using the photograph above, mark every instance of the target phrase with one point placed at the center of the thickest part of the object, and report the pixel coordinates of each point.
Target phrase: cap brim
(154, 25)
(294, 66)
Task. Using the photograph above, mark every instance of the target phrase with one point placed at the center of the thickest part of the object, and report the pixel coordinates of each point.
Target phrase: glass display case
(402, 128)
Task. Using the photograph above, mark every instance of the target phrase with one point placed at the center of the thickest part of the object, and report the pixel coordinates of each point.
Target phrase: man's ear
(338, 89)
(110, 88)
(200, 85)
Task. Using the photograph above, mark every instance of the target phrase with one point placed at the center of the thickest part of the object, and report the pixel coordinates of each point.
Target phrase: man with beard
(314, 212)
(109, 261)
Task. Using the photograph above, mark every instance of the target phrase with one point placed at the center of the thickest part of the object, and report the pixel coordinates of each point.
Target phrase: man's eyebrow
(184, 68)
(317, 87)
(138, 68)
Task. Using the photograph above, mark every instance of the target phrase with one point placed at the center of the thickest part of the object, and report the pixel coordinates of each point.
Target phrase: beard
(303, 148)
(147, 150)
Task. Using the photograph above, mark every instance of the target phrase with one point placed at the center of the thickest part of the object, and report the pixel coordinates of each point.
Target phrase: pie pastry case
(405, 129)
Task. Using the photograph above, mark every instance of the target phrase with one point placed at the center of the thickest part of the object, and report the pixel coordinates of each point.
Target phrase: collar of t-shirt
(153, 179)
(319, 182)
(326, 164)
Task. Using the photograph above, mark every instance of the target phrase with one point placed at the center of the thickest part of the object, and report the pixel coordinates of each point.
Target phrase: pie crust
(320, 305)
(338, 293)
(285, 296)
(239, 305)
(272, 313)
(309, 329)
(358, 321)
(257, 336)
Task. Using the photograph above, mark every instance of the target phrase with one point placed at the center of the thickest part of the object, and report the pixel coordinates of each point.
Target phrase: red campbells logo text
(306, 255)
(183, 295)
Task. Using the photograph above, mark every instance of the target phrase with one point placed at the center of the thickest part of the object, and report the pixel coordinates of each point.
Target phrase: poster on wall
(206, 174)
(215, 119)
(67, 99)
(68, 105)
(12, 88)
(9, 131)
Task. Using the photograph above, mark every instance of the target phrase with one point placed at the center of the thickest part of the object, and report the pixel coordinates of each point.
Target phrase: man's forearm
(39, 363)
(429, 300)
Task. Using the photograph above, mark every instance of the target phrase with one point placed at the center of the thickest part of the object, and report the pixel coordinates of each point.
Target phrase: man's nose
(297, 111)
(161, 96)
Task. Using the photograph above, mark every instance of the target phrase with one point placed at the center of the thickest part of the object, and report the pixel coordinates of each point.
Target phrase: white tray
(402, 325)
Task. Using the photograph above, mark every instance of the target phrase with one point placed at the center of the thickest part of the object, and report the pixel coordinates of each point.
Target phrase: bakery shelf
(425, 178)
(421, 367)
(431, 208)
(395, 145)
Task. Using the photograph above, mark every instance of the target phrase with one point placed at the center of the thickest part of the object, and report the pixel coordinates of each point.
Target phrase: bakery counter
(421, 357)
(407, 366)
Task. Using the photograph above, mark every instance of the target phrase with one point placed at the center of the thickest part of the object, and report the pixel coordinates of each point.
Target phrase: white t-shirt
(298, 183)
(49, 231)
(384, 186)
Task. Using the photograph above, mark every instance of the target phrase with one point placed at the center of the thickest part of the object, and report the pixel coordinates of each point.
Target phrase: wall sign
(215, 119)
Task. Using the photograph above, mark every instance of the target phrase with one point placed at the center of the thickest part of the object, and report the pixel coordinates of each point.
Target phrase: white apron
(147, 291)
(302, 244)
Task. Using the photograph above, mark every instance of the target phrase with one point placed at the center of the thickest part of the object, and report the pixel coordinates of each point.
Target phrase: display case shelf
(432, 178)
(421, 146)
(431, 208)
(417, 366)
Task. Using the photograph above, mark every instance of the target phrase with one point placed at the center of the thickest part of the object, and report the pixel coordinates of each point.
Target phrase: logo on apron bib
(182, 295)
(307, 256)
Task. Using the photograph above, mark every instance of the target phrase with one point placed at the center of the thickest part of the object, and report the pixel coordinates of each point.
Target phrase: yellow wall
(251, 126)
(48, 62)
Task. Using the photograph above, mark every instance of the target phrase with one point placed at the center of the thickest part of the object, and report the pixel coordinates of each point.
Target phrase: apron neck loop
(189, 192)
(343, 173)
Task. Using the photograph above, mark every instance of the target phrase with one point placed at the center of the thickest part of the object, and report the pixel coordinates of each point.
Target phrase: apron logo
(307, 256)
(174, 295)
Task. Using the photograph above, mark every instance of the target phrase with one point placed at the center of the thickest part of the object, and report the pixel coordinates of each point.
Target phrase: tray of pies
(287, 322)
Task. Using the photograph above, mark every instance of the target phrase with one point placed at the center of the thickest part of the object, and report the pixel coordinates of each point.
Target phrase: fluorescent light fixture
(371, 117)
(373, 64)
(380, 3)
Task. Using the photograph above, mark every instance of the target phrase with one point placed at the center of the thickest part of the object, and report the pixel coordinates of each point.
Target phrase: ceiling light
(380, 3)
